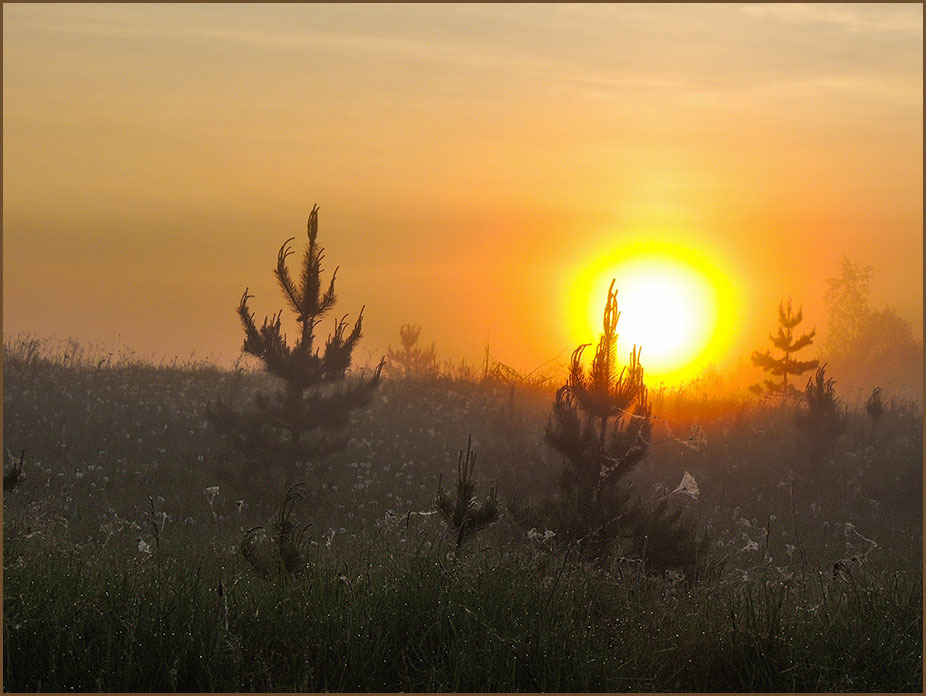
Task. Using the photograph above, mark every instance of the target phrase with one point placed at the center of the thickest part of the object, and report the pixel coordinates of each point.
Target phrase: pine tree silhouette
(412, 360)
(788, 344)
(601, 425)
(301, 420)
(462, 513)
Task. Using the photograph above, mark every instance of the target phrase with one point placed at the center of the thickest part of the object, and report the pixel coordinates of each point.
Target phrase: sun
(673, 302)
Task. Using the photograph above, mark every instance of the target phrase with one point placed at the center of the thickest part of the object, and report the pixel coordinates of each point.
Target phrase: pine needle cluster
(301, 421)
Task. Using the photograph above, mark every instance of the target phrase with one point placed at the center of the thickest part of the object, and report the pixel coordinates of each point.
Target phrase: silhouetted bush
(460, 510)
(601, 424)
(412, 360)
(821, 417)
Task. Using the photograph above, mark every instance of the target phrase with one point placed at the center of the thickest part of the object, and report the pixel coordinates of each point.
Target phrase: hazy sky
(469, 161)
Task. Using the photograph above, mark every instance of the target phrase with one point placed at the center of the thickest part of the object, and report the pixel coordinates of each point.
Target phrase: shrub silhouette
(14, 476)
(460, 510)
(788, 344)
(874, 407)
(601, 424)
(300, 422)
(596, 456)
(821, 417)
(665, 539)
(412, 360)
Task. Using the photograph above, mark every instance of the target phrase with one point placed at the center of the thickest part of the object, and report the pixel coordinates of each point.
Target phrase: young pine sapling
(302, 420)
(821, 417)
(788, 344)
(462, 513)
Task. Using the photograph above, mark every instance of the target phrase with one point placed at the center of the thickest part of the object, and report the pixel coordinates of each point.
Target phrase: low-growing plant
(821, 416)
(280, 547)
(665, 539)
(459, 509)
(14, 475)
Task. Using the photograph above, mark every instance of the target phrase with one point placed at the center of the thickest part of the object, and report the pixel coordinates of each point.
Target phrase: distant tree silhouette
(846, 300)
(302, 419)
(866, 345)
(412, 360)
(786, 342)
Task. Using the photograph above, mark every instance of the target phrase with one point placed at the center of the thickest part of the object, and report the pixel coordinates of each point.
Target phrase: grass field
(122, 569)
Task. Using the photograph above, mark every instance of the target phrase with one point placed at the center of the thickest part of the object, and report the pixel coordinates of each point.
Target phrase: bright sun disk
(671, 302)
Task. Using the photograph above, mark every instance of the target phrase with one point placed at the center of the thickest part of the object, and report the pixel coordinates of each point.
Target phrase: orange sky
(470, 161)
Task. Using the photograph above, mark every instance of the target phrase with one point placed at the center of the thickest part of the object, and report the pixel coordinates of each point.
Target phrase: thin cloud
(880, 18)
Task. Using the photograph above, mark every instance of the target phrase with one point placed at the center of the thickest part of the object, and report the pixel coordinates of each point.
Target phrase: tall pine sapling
(600, 424)
(301, 421)
(786, 342)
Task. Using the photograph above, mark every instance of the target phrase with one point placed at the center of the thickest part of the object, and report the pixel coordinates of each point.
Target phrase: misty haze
(463, 348)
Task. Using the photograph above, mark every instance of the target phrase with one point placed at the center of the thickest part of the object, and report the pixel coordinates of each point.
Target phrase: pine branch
(286, 281)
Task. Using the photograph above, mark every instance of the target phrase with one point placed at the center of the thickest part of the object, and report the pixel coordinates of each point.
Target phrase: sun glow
(672, 301)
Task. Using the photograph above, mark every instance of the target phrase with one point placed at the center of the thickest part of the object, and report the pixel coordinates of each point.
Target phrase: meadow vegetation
(125, 563)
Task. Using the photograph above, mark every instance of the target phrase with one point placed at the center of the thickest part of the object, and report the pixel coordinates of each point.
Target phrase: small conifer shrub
(460, 510)
(874, 407)
(303, 419)
(601, 425)
(821, 417)
(786, 342)
(14, 476)
(665, 539)
(412, 360)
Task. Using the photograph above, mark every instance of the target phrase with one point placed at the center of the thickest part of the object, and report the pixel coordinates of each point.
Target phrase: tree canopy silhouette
(868, 346)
